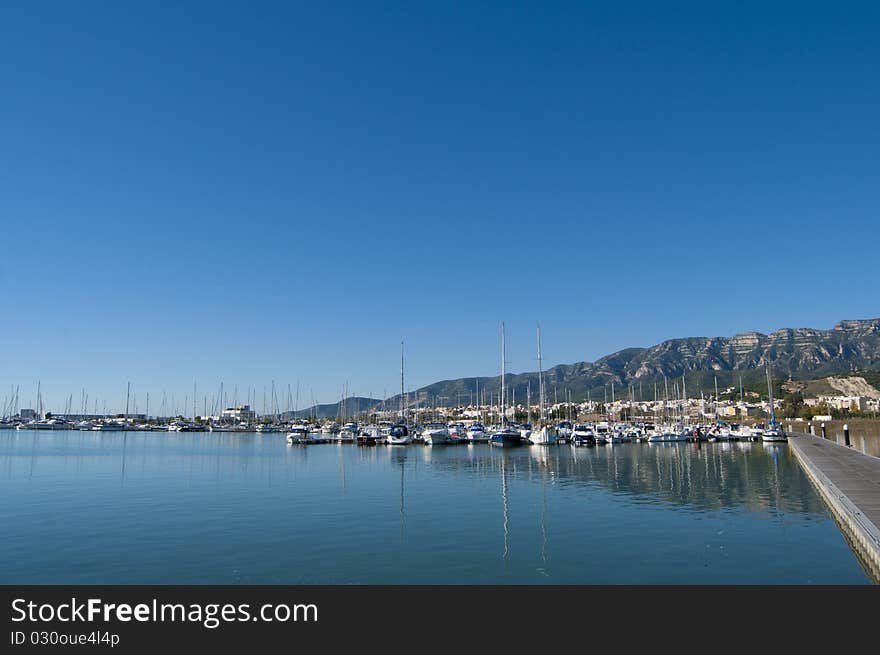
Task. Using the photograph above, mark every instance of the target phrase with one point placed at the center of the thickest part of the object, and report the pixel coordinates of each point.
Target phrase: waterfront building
(240, 413)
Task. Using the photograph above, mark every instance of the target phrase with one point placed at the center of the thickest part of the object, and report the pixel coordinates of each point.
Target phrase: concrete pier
(849, 481)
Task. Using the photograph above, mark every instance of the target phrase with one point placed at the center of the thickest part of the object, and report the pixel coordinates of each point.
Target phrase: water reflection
(544, 518)
(398, 456)
(506, 511)
(194, 507)
(702, 477)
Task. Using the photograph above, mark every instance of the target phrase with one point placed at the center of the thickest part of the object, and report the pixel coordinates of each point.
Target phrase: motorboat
(298, 434)
(545, 435)
(435, 433)
(106, 426)
(505, 436)
(564, 429)
(46, 424)
(398, 436)
(369, 435)
(669, 434)
(268, 427)
(583, 435)
(477, 433)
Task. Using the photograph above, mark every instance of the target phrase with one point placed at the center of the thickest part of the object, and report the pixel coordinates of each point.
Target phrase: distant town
(823, 407)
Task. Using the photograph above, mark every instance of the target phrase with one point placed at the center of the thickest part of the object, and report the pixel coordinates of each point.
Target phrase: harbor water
(239, 508)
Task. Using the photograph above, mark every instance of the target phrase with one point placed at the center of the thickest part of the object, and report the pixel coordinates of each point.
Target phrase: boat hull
(544, 437)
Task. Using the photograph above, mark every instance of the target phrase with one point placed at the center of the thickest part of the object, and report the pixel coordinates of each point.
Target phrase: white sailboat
(775, 433)
(545, 434)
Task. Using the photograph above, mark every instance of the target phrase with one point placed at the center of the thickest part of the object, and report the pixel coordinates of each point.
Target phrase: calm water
(202, 508)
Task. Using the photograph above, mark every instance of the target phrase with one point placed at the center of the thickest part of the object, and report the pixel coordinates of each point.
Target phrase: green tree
(792, 404)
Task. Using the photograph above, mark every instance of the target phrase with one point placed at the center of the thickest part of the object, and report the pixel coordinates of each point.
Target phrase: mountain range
(796, 353)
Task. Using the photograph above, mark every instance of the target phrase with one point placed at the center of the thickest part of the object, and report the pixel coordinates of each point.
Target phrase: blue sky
(245, 192)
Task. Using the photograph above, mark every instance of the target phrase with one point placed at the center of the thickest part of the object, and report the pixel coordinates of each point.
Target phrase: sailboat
(775, 433)
(504, 435)
(545, 434)
(399, 435)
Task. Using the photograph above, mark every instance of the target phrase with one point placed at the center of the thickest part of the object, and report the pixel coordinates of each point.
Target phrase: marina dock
(849, 481)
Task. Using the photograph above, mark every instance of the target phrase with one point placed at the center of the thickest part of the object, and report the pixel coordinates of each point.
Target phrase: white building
(240, 413)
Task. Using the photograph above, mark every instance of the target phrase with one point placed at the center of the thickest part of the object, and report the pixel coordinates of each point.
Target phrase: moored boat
(298, 434)
(477, 433)
(398, 436)
(505, 436)
(435, 434)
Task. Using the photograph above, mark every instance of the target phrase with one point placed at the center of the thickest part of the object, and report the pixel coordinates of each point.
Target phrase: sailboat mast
(503, 412)
(666, 400)
(402, 405)
(479, 403)
(716, 398)
(529, 402)
(684, 409)
(540, 381)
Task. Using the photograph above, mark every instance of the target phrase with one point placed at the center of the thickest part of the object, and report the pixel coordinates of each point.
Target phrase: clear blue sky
(251, 192)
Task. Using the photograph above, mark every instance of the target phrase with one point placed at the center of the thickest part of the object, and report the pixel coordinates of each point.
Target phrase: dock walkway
(849, 481)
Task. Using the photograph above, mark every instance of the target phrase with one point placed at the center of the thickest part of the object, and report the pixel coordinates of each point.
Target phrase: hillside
(799, 353)
(353, 406)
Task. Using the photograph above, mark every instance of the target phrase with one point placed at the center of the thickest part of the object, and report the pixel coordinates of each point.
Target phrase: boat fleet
(593, 433)
(504, 434)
